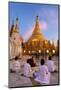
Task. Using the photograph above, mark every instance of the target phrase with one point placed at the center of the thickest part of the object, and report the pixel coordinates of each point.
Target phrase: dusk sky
(26, 13)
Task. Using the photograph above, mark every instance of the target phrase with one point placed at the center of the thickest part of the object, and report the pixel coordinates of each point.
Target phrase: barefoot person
(50, 64)
(43, 75)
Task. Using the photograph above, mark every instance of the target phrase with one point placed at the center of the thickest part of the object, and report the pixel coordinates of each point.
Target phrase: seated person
(27, 71)
(43, 75)
(32, 62)
(50, 64)
(16, 65)
(11, 66)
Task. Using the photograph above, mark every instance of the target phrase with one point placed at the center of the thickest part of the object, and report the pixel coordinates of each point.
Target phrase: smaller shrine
(15, 41)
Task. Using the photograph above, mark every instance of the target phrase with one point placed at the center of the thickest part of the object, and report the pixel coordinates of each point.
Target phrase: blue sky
(26, 12)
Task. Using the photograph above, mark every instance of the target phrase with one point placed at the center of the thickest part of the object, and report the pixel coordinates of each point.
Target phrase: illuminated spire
(37, 27)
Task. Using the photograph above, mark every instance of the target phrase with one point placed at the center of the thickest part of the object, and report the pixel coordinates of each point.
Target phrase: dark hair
(16, 58)
(28, 60)
(31, 62)
(50, 57)
(42, 62)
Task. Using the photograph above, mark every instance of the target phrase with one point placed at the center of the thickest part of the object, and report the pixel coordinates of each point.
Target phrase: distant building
(15, 41)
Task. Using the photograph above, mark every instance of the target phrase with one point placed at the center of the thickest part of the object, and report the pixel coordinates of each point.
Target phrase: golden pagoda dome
(36, 35)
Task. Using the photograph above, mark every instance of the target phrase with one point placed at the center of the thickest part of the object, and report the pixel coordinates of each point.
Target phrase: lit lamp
(39, 51)
(29, 51)
(24, 51)
(47, 51)
(53, 51)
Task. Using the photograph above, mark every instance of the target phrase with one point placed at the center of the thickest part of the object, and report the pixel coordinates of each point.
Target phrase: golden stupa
(37, 35)
(37, 41)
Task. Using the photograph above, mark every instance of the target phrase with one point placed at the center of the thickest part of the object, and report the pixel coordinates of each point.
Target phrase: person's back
(43, 76)
(50, 64)
(27, 71)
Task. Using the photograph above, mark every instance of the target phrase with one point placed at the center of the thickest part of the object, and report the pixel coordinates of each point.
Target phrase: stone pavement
(16, 80)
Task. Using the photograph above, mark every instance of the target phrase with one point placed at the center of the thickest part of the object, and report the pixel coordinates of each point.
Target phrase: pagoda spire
(16, 27)
(36, 35)
(37, 23)
(37, 27)
(12, 28)
(36, 19)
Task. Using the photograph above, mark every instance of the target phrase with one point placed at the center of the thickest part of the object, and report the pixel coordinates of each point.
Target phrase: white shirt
(43, 76)
(27, 71)
(15, 65)
(51, 66)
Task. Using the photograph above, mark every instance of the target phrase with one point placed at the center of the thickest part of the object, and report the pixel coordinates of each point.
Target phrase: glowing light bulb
(47, 51)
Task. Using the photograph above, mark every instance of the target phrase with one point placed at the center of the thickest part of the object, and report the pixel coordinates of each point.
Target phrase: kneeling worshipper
(42, 75)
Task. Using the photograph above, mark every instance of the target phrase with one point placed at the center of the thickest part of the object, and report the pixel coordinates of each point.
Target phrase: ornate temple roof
(15, 29)
(36, 35)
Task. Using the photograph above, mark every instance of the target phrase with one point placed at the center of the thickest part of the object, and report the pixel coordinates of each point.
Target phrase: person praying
(27, 70)
(50, 64)
(42, 75)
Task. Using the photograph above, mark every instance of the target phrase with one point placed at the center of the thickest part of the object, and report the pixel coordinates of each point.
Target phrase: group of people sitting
(42, 76)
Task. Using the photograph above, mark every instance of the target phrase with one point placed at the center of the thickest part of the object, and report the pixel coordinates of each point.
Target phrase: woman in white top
(27, 71)
(50, 64)
(43, 75)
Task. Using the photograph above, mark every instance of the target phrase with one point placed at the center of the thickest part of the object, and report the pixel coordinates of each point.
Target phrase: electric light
(24, 51)
(47, 51)
(29, 51)
(53, 51)
(39, 51)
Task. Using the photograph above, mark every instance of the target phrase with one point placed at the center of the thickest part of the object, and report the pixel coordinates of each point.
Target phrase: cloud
(49, 14)
(43, 25)
(28, 33)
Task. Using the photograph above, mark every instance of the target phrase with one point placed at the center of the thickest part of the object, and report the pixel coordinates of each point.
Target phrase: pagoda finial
(16, 20)
(16, 27)
(37, 27)
(36, 18)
